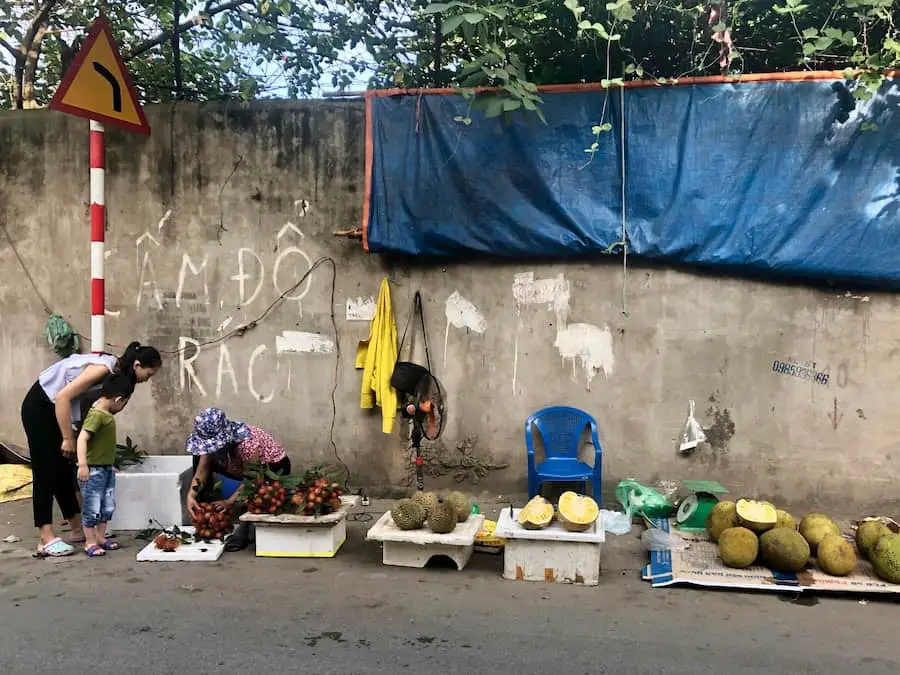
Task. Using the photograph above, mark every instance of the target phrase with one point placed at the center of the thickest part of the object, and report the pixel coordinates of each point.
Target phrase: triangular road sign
(97, 85)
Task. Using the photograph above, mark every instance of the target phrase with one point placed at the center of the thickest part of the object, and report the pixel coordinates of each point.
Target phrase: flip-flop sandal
(110, 545)
(54, 549)
(94, 551)
(239, 540)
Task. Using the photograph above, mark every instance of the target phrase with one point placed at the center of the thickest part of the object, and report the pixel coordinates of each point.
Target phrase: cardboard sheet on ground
(700, 565)
(15, 482)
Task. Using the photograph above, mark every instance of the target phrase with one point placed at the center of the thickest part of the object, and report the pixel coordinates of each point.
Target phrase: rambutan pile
(210, 523)
(318, 496)
(266, 496)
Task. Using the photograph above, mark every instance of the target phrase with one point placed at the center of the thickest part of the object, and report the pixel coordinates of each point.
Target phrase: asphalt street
(351, 615)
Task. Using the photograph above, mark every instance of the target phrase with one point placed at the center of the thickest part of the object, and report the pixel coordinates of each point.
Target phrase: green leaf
(823, 43)
(493, 108)
(808, 49)
(615, 82)
(584, 25)
(285, 7)
(510, 105)
(810, 33)
(720, 27)
(451, 24)
(473, 17)
(436, 8)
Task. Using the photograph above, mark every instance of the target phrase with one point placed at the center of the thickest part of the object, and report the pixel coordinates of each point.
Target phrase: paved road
(352, 616)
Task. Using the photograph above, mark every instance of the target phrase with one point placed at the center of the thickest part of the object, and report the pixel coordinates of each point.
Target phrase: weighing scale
(694, 509)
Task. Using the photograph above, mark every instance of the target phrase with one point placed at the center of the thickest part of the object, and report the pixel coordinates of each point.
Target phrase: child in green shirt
(96, 460)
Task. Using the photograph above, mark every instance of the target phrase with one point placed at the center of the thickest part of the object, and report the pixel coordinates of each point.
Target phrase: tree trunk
(18, 77)
(30, 69)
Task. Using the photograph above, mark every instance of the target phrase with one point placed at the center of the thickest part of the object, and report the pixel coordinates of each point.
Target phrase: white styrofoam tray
(462, 535)
(200, 551)
(290, 519)
(508, 528)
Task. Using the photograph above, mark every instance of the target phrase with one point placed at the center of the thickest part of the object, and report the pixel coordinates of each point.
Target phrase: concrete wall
(225, 208)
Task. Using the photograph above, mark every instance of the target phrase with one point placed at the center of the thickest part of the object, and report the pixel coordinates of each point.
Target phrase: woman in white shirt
(51, 409)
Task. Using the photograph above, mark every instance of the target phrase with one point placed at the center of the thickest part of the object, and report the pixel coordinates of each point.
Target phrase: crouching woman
(222, 450)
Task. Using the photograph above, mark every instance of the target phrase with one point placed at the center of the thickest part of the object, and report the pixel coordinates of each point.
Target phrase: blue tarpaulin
(775, 177)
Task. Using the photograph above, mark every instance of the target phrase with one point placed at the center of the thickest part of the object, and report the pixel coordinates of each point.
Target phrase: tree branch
(184, 26)
(8, 47)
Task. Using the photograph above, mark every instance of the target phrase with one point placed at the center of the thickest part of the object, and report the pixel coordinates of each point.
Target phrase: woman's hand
(84, 473)
(221, 505)
(191, 503)
(67, 448)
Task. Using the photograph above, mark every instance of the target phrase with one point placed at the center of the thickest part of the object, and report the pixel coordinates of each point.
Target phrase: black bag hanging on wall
(407, 375)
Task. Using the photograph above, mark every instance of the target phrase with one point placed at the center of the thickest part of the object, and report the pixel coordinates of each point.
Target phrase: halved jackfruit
(756, 516)
(536, 514)
(577, 512)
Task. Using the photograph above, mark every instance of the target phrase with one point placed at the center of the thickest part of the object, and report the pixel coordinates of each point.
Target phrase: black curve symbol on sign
(103, 71)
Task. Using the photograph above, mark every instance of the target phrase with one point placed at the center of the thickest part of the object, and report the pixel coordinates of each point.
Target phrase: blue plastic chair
(560, 428)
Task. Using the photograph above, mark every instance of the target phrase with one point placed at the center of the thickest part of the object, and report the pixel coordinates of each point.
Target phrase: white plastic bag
(615, 522)
(654, 539)
(692, 434)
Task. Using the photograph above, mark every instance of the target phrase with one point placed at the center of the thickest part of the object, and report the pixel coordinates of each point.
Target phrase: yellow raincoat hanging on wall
(377, 357)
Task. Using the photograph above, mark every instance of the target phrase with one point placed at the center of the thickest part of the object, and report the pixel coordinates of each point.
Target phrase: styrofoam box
(151, 490)
(551, 555)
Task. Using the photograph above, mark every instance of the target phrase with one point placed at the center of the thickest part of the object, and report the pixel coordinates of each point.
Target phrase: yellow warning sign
(97, 85)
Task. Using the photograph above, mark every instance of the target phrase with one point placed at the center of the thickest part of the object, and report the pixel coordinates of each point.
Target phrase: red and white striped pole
(98, 232)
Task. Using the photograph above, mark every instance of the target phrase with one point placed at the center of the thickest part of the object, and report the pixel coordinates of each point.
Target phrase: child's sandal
(94, 551)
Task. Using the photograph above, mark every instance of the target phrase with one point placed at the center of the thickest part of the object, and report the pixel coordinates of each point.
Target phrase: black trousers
(52, 474)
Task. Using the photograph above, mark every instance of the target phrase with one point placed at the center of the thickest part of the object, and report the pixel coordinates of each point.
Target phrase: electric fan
(422, 396)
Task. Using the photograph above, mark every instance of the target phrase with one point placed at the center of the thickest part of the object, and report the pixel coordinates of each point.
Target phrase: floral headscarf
(213, 431)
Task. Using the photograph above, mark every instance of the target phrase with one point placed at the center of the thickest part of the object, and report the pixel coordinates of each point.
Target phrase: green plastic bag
(639, 499)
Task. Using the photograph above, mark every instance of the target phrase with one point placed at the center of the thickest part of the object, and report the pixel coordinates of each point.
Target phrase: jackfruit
(536, 514)
(442, 519)
(461, 504)
(867, 535)
(756, 516)
(815, 527)
(784, 550)
(408, 514)
(738, 547)
(722, 517)
(836, 556)
(886, 558)
(426, 499)
(785, 519)
(577, 513)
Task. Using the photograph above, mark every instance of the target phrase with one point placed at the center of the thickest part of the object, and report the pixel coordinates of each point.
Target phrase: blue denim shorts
(98, 496)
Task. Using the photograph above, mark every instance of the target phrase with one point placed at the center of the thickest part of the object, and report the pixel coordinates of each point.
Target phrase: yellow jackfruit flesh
(577, 513)
(536, 514)
(756, 516)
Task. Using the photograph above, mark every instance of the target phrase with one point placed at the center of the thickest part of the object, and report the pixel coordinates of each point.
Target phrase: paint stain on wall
(299, 342)
(461, 313)
(587, 346)
(554, 293)
(360, 309)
